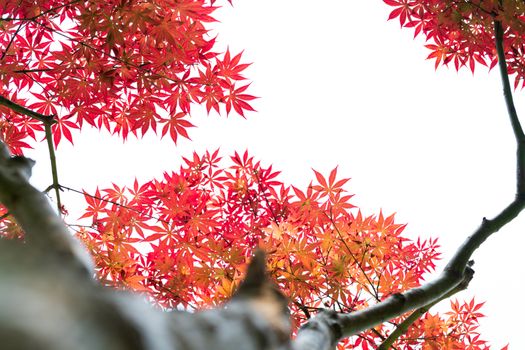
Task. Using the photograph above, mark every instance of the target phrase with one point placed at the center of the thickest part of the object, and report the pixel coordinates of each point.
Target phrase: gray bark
(49, 299)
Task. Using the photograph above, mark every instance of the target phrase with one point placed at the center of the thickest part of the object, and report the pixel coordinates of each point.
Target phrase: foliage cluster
(132, 66)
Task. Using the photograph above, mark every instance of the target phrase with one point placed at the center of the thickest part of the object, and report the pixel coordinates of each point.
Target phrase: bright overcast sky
(339, 85)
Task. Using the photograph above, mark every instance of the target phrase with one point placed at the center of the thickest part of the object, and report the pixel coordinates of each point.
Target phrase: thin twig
(140, 67)
(54, 171)
(11, 40)
(7, 19)
(114, 203)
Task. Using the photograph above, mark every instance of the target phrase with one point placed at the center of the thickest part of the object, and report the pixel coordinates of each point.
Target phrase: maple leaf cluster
(185, 240)
(126, 66)
(462, 320)
(462, 32)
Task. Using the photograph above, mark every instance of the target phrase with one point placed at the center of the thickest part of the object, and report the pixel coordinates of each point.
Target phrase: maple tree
(185, 239)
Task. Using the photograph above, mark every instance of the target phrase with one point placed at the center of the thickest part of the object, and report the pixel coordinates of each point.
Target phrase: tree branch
(325, 329)
(509, 101)
(53, 160)
(46, 119)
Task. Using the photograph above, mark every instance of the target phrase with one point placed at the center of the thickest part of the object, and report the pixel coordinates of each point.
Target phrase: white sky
(339, 85)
